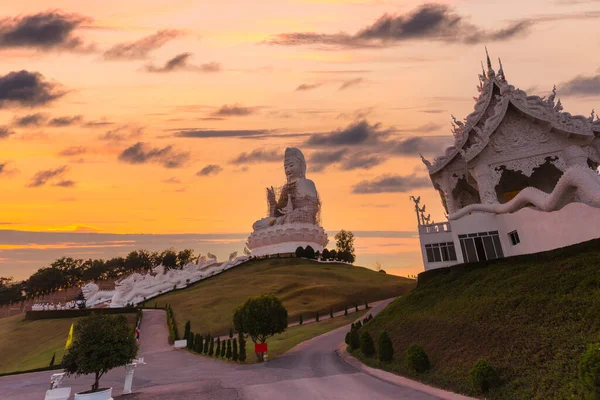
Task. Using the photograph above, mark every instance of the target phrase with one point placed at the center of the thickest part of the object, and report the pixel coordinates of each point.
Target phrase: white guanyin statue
(293, 216)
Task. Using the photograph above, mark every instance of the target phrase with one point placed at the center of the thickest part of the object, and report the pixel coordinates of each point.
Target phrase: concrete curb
(397, 379)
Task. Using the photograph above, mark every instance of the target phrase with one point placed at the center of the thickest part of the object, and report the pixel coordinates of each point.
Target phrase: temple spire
(501, 70)
(482, 76)
(490, 72)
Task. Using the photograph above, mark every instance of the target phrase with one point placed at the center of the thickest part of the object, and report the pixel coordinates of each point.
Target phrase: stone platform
(286, 238)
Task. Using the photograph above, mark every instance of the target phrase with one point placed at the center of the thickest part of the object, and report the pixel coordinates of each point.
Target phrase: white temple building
(521, 177)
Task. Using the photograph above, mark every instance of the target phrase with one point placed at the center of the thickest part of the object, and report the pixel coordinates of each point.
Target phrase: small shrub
(300, 252)
(356, 307)
(228, 354)
(331, 313)
(367, 306)
(186, 333)
(317, 317)
(366, 344)
(347, 339)
(211, 347)
(206, 342)
(345, 310)
(589, 371)
(300, 320)
(242, 355)
(354, 339)
(52, 360)
(385, 349)
(198, 344)
(309, 252)
(417, 358)
(483, 376)
(230, 333)
(190, 341)
(218, 352)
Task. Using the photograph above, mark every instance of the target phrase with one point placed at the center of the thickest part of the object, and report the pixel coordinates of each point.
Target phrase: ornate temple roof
(472, 135)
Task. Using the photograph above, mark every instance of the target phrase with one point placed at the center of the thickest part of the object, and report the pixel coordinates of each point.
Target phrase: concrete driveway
(311, 370)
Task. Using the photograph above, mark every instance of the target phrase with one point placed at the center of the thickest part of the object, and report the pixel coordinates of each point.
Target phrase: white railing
(435, 228)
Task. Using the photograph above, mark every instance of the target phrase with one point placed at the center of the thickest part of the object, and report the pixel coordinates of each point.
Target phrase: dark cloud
(5, 132)
(121, 133)
(258, 156)
(584, 86)
(412, 146)
(30, 120)
(42, 177)
(357, 133)
(72, 151)
(139, 49)
(180, 62)
(231, 110)
(97, 124)
(65, 121)
(319, 160)
(211, 169)
(172, 180)
(307, 86)
(48, 30)
(66, 184)
(141, 153)
(435, 22)
(350, 83)
(391, 184)
(222, 133)
(362, 161)
(27, 89)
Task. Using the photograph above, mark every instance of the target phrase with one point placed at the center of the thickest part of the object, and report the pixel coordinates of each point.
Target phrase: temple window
(514, 238)
(439, 252)
(480, 246)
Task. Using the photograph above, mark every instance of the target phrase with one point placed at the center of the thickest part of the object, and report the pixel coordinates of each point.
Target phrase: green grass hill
(530, 316)
(304, 287)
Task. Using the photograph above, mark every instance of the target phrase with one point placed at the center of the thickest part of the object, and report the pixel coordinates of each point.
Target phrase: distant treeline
(68, 272)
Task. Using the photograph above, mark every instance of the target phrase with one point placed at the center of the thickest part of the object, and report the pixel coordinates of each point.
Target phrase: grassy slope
(304, 286)
(27, 345)
(531, 317)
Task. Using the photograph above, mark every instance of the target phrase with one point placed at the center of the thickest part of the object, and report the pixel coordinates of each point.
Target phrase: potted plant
(101, 343)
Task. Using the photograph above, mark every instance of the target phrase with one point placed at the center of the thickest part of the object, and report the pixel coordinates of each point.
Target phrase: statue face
(293, 169)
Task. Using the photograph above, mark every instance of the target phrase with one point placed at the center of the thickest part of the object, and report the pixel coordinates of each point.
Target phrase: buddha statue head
(294, 164)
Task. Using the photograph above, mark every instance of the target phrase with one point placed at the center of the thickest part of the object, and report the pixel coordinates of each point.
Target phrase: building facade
(521, 177)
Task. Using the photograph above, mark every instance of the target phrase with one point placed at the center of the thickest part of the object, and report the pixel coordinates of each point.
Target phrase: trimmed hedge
(56, 314)
(483, 376)
(417, 359)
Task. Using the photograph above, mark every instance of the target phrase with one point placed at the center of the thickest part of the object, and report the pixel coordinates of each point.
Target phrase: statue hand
(282, 211)
(271, 195)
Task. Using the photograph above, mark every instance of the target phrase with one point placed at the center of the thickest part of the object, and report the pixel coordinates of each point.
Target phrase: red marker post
(261, 348)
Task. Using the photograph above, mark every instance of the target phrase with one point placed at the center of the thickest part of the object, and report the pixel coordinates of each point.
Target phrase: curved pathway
(311, 370)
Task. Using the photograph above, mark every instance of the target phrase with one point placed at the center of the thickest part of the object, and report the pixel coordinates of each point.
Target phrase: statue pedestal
(278, 239)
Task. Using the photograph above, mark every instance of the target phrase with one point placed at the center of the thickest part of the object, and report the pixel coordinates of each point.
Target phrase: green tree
(101, 343)
(206, 343)
(261, 317)
(309, 253)
(344, 241)
(317, 317)
(385, 349)
(354, 339)
(211, 347)
(230, 333)
(190, 341)
(299, 252)
(589, 371)
(186, 333)
(326, 254)
(300, 321)
(345, 310)
(52, 360)
(366, 344)
(333, 255)
(185, 257)
(331, 313)
(235, 354)
(200, 346)
(218, 352)
(169, 259)
(417, 359)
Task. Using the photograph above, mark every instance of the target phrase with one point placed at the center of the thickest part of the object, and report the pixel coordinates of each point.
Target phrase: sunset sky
(171, 117)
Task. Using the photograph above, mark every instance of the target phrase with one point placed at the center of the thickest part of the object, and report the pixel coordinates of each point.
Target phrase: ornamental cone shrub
(235, 354)
(356, 307)
(483, 376)
(218, 352)
(589, 371)
(230, 333)
(417, 358)
(242, 356)
(367, 306)
(300, 320)
(228, 354)
(198, 344)
(345, 310)
(211, 347)
(190, 341)
(385, 349)
(347, 339)
(206, 340)
(366, 344)
(186, 333)
(223, 349)
(53, 359)
(331, 313)
(317, 318)
(354, 339)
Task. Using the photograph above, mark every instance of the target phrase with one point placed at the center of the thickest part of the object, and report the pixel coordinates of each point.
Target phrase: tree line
(67, 272)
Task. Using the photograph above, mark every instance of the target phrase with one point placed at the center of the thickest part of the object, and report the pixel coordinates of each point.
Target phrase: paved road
(312, 370)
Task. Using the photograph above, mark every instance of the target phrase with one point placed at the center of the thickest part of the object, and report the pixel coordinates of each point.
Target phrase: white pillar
(485, 184)
(130, 368)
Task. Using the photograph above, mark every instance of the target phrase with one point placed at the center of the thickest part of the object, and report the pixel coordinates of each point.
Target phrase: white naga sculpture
(136, 288)
(293, 218)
